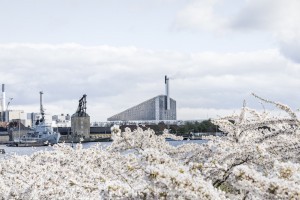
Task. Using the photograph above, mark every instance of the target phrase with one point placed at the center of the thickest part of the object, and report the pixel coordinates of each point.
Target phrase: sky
(216, 53)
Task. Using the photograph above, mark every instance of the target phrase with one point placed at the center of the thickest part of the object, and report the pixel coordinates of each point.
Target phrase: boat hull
(31, 141)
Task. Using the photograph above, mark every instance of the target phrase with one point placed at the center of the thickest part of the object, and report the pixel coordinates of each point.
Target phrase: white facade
(33, 117)
(17, 115)
(152, 109)
(61, 120)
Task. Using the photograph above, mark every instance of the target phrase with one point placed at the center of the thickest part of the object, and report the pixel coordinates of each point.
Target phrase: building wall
(80, 127)
(4, 138)
(18, 134)
(31, 119)
(165, 114)
(16, 114)
(152, 109)
(61, 118)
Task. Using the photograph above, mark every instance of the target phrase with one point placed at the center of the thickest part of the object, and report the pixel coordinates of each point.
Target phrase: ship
(42, 134)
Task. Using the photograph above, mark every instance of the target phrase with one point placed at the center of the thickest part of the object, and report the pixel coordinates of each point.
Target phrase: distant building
(33, 117)
(80, 122)
(61, 120)
(159, 108)
(152, 109)
(16, 115)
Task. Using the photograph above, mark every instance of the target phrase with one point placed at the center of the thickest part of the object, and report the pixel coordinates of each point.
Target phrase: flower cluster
(257, 159)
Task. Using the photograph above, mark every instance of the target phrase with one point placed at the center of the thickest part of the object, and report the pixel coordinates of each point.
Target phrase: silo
(80, 122)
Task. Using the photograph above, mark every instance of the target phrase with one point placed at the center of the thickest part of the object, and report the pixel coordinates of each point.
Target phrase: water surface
(9, 151)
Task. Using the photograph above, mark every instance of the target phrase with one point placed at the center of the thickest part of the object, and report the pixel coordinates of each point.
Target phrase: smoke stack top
(3, 88)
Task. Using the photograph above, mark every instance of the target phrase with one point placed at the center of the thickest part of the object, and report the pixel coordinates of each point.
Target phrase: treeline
(205, 126)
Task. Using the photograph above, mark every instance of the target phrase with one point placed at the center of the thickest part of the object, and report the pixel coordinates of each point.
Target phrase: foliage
(205, 126)
(258, 159)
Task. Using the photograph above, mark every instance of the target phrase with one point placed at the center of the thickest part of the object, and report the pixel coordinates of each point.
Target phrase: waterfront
(9, 151)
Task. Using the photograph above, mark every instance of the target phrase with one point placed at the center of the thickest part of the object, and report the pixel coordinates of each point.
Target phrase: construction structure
(80, 122)
(159, 108)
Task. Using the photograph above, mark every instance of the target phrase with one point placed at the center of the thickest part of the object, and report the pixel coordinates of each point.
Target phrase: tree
(257, 159)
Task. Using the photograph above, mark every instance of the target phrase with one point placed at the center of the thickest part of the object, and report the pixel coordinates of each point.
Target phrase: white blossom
(257, 159)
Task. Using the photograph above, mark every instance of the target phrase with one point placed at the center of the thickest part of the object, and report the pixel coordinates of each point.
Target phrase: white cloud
(202, 113)
(276, 15)
(277, 18)
(272, 15)
(116, 78)
(281, 18)
(201, 15)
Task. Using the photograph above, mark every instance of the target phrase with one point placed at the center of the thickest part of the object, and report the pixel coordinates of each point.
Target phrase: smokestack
(41, 104)
(167, 93)
(3, 102)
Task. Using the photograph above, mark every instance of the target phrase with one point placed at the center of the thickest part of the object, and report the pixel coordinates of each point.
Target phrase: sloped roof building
(152, 109)
(158, 108)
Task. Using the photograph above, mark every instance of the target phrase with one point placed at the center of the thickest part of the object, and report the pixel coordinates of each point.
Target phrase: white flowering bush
(257, 159)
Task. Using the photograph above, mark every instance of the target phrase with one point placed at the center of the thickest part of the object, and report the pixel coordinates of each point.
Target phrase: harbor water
(9, 151)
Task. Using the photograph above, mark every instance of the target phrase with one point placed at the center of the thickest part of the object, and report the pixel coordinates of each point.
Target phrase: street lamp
(6, 112)
(20, 124)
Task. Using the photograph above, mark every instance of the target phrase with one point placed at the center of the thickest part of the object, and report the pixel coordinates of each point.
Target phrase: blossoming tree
(257, 159)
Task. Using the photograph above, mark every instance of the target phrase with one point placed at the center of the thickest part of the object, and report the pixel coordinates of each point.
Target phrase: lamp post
(20, 125)
(6, 112)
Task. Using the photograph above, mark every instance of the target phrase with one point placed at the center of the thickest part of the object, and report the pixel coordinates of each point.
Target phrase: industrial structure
(159, 108)
(3, 104)
(80, 122)
(4, 117)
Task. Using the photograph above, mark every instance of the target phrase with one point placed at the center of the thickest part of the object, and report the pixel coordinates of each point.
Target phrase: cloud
(274, 15)
(291, 48)
(271, 15)
(277, 18)
(116, 78)
(200, 15)
(204, 113)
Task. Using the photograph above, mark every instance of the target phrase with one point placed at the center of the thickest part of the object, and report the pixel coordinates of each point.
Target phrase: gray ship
(41, 134)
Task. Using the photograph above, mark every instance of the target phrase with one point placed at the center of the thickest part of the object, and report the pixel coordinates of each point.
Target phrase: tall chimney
(3, 103)
(167, 93)
(41, 104)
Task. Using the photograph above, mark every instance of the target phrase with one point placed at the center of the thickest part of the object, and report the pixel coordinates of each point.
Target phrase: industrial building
(159, 108)
(80, 122)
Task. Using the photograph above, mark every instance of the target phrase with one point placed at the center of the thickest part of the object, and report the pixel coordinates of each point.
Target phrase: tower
(80, 122)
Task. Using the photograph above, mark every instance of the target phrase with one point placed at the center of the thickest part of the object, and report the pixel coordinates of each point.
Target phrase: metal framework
(81, 110)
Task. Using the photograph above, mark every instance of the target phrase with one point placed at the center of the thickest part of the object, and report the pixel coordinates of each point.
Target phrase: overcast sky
(216, 52)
